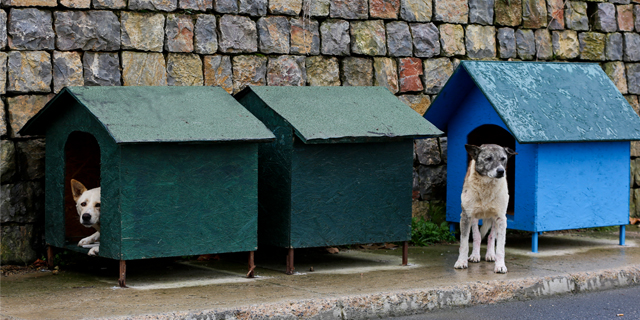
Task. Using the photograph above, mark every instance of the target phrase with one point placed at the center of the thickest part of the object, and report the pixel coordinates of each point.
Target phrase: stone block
(3, 126)
(109, 4)
(615, 71)
(142, 31)
(286, 7)
(286, 71)
(418, 102)
(323, 71)
(30, 3)
(416, 10)
(274, 33)
(613, 49)
(428, 151)
(368, 38)
(3, 72)
(481, 11)
(3, 29)
(633, 78)
(635, 152)
(636, 14)
(76, 4)
(625, 17)
(544, 48)
(349, 9)
(335, 37)
(178, 33)
(399, 42)
(565, 44)
(184, 70)
(384, 9)
(30, 29)
(198, 5)
(555, 14)
(18, 241)
(410, 71)
(21, 108)
(454, 11)
(87, 30)
(480, 41)
(153, 5)
(101, 69)
(604, 17)
(253, 8)
(631, 46)
(143, 69)
(385, 73)
(576, 17)
(316, 8)
(205, 36)
(508, 13)
(506, 43)
(218, 72)
(426, 40)
(433, 182)
(30, 158)
(226, 6)
(592, 46)
(249, 71)
(622, 1)
(534, 13)
(436, 73)
(7, 155)
(237, 34)
(29, 71)
(67, 70)
(452, 40)
(357, 72)
(305, 37)
(23, 202)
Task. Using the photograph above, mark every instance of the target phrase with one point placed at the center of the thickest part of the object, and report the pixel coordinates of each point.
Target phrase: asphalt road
(617, 304)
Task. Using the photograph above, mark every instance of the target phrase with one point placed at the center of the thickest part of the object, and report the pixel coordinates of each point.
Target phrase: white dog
(485, 196)
(88, 206)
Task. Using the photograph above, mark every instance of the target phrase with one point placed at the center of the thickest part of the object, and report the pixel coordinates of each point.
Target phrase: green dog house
(177, 167)
(340, 169)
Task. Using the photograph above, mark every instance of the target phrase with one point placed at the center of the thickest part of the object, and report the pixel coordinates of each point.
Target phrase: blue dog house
(570, 126)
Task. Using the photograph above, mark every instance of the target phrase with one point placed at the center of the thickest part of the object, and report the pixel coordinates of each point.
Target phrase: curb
(418, 301)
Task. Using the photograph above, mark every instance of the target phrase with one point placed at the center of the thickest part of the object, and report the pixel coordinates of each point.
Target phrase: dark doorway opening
(82, 162)
(492, 134)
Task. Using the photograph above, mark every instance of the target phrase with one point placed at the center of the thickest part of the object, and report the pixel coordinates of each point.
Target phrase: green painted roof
(337, 114)
(161, 114)
(555, 102)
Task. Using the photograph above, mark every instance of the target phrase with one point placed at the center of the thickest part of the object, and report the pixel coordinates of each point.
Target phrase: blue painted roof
(543, 101)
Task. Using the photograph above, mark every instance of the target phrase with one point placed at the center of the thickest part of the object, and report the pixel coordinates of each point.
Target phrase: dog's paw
(94, 251)
(461, 264)
(490, 257)
(500, 269)
(85, 241)
(474, 258)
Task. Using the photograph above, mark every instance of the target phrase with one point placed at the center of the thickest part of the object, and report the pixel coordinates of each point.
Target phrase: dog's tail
(486, 225)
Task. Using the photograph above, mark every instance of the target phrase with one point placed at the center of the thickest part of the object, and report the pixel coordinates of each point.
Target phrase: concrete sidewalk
(354, 284)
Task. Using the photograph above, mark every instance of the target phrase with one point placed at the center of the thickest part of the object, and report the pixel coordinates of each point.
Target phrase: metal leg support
(252, 266)
(50, 257)
(405, 253)
(534, 242)
(290, 267)
(622, 234)
(123, 274)
(452, 228)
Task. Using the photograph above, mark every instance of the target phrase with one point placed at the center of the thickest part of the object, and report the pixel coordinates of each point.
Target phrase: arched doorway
(82, 162)
(493, 134)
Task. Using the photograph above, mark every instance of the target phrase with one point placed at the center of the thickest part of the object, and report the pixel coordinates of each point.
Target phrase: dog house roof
(343, 114)
(543, 101)
(158, 114)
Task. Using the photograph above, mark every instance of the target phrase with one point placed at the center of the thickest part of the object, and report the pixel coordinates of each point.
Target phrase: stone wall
(409, 46)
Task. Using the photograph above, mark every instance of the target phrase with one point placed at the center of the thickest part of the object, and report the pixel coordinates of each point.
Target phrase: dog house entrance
(492, 134)
(82, 162)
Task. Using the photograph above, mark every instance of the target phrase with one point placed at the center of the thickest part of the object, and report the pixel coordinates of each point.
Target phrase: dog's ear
(77, 189)
(472, 150)
(509, 152)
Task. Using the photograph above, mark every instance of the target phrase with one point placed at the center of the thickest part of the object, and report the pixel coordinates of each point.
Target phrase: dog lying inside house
(485, 196)
(88, 206)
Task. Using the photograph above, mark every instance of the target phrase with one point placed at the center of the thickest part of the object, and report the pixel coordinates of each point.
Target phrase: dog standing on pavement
(88, 206)
(485, 196)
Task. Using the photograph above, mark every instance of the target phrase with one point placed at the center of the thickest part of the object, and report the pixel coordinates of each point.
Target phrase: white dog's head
(87, 203)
